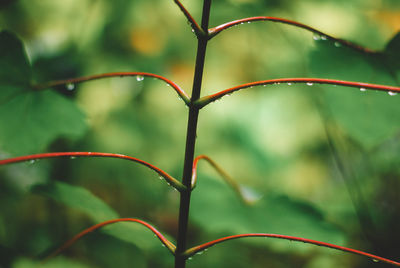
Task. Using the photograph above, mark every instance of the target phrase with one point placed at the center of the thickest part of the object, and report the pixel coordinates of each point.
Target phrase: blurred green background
(322, 160)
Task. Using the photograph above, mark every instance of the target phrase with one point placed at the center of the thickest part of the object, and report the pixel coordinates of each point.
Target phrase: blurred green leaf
(272, 214)
(29, 119)
(367, 117)
(58, 262)
(392, 51)
(14, 65)
(84, 201)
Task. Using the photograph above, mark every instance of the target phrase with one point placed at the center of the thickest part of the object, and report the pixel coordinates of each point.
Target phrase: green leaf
(58, 262)
(81, 199)
(220, 212)
(367, 117)
(14, 65)
(30, 119)
(392, 51)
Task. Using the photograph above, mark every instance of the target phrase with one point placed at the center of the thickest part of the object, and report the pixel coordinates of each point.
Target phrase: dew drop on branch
(316, 37)
(375, 260)
(363, 89)
(161, 177)
(72, 157)
(324, 37)
(289, 84)
(338, 44)
(70, 86)
(140, 78)
(33, 161)
(310, 83)
(391, 93)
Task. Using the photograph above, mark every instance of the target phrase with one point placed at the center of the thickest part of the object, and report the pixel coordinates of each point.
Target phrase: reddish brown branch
(216, 30)
(171, 180)
(178, 90)
(225, 176)
(194, 250)
(165, 241)
(310, 81)
(194, 25)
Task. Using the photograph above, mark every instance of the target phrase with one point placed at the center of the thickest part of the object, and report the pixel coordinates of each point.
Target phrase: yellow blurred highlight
(147, 41)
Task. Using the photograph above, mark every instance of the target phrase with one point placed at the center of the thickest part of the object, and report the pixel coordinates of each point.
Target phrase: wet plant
(16, 83)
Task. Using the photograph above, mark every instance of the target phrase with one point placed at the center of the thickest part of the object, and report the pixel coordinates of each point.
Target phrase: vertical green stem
(180, 261)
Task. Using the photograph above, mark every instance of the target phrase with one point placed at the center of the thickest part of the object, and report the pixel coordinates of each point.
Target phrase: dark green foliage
(30, 119)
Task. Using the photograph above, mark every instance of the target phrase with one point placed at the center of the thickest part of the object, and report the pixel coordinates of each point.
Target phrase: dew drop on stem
(363, 89)
(72, 157)
(310, 83)
(375, 260)
(337, 44)
(33, 161)
(70, 86)
(140, 78)
(289, 84)
(316, 37)
(391, 93)
(324, 37)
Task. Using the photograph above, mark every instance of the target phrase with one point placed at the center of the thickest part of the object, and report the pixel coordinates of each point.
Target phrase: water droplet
(391, 93)
(310, 84)
(33, 161)
(338, 44)
(242, 23)
(70, 86)
(72, 157)
(139, 78)
(161, 177)
(324, 37)
(363, 89)
(190, 258)
(192, 30)
(375, 260)
(316, 37)
(249, 22)
(289, 84)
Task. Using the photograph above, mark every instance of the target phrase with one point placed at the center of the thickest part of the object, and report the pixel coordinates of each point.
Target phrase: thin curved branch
(170, 246)
(193, 24)
(182, 94)
(216, 30)
(309, 81)
(225, 176)
(168, 178)
(190, 252)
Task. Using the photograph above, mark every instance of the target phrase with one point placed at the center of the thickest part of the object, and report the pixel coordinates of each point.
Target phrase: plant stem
(180, 259)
